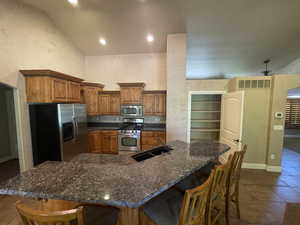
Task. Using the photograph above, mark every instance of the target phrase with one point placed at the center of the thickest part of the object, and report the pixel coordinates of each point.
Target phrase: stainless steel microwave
(132, 111)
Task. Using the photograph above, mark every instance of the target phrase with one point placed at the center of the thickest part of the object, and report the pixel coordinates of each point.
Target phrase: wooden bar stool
(194, 208)
(82, 215)
(35, 217)
(233, 181)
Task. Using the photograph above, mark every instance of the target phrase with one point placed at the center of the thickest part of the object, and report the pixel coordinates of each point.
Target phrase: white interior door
(232, 121)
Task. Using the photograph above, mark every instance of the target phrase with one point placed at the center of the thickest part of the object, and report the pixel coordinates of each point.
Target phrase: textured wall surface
(178, 88)
(111, 69)
(29, 40)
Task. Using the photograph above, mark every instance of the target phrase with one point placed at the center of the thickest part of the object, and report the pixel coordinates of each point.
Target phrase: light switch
(277, 127)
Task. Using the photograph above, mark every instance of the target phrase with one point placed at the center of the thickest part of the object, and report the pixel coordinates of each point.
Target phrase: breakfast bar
(114, 180)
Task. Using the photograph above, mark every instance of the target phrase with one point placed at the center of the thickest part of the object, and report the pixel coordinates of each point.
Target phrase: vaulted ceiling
(225, 38)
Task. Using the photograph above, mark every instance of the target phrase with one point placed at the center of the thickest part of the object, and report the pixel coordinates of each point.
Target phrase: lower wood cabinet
(103, 141)
(151, 139)
(109, 142)
(95, 141)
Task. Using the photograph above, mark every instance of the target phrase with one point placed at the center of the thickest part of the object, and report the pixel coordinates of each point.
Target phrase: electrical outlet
(272, 156)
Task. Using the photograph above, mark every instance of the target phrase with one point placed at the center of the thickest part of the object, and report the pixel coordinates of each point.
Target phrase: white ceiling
(123, 23)
(225, 38)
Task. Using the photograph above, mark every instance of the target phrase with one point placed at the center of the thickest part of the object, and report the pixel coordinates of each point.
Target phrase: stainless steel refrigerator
(58, 131)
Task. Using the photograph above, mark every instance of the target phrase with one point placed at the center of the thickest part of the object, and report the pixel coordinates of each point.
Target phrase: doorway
(9, 162)
(291, 142)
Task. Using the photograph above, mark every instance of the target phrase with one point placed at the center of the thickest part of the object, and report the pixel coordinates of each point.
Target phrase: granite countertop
(113, 180)
(116, 126)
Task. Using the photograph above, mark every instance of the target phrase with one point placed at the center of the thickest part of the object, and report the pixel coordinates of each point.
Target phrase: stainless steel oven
(129, 140)
(129, 137)
(132, 111)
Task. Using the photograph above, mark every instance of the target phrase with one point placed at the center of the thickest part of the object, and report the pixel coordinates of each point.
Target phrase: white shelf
(206, 111)
(205, 129)
(205, 121)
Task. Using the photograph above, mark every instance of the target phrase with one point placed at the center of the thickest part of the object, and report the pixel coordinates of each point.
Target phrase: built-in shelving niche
(205, 117)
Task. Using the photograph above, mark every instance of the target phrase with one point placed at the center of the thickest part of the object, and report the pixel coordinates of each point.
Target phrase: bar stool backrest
(195, 204)
(35, 217)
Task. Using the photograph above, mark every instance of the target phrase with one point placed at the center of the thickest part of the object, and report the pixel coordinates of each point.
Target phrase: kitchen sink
(151, 153)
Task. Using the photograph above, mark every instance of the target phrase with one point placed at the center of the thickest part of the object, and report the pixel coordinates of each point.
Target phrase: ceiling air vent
(254, 84)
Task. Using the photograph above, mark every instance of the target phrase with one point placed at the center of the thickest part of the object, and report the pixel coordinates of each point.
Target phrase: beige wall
(178, 88)
(281, 84)
(29, 40)
(111, 69)
(256, 124)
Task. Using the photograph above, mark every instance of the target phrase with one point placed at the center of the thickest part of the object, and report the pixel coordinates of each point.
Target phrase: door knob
(236, 140)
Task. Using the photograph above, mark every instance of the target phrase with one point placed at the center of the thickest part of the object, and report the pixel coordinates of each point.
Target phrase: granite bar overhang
(113, 180)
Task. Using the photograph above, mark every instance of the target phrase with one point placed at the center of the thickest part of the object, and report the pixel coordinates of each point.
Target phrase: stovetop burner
(131, 126)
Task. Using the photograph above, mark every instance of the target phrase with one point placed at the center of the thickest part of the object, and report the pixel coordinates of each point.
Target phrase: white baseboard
(7, 158)
(274, 169)
(258, 166)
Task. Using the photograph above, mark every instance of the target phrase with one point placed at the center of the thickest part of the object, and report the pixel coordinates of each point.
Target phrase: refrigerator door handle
(77, 129)
(74, 129)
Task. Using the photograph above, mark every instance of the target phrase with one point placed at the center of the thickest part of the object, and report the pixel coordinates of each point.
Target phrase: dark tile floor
(9, 169)
(264, 195)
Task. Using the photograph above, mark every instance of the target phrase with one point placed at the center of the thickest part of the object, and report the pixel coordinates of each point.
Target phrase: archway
(9, 157)
(291, 144)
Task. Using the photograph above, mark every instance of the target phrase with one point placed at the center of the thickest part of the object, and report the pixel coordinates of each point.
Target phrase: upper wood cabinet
(74, 89)
(47, 86)
(154, 103)
(109, 103)
(132, 93)
(91, 97)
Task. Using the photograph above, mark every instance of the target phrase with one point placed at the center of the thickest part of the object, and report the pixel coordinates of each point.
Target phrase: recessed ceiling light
(150, 38)
(102, 41)
(73, 2)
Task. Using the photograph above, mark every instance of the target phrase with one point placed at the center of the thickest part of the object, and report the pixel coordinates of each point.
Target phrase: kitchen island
(114, 180)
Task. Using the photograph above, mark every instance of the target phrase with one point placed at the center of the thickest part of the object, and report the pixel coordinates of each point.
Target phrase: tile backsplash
(118, 119)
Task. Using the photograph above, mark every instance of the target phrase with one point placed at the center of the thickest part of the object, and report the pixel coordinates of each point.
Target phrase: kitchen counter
(113, 180)
(116, 126)
(104, 126)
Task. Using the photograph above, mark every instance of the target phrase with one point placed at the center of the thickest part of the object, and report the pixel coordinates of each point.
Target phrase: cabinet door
(59, 90)
(131, 95)
(160, 104)
(160, 137)
(149, 104)
(74, 91)
(94, 141)
(115, 102)
(109, 142)
(91, 100)
(104, 104)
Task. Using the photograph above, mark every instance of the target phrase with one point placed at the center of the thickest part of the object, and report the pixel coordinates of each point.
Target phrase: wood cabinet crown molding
(49, 73)
(93, 84)
(132, 84)
(110, 92)
(155, 92)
